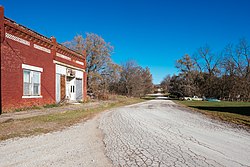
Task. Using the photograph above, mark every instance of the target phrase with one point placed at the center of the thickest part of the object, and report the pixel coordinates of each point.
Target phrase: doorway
(71, 88)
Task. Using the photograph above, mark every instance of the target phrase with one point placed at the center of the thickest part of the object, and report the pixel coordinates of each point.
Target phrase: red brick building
(36, 70)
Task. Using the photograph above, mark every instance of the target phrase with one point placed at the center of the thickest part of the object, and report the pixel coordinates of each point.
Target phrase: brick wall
(14, 55)
(24, 46)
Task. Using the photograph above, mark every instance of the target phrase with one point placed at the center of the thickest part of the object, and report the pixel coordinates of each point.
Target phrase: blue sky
(155, 33)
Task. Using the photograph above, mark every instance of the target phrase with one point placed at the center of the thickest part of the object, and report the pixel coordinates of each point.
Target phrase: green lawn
(216, 104)
(234, 112)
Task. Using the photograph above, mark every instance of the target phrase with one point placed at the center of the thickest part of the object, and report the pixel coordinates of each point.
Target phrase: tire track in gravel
(160, 133)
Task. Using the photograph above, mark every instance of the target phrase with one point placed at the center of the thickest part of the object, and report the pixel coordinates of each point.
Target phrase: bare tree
(148, 85)
(188, 75)
(165, 83)
(236, 67)
(100, 68)
(207, 60)
(185, 64)
(135, 81)
(225, 75)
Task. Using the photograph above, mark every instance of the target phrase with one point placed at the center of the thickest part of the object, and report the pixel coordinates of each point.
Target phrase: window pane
(36, 77)
(26, 76)
(26, 88)
(36, 89)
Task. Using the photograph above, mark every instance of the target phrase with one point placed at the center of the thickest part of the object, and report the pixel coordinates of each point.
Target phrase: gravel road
(160, 133)
(77, 146)
(153, 133)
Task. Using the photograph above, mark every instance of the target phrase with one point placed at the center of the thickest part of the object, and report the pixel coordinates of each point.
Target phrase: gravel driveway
(153, 133)
(159, 133)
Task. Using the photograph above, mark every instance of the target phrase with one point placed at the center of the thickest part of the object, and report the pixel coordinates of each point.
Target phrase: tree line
(104, 77)
(224, 75)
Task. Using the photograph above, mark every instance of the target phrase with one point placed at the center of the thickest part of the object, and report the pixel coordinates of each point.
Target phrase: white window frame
(32, 69)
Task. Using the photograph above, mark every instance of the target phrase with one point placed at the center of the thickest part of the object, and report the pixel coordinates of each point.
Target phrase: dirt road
(153, 133)
(159, 133)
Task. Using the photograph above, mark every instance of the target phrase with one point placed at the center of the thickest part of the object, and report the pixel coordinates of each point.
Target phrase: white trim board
(63, 56)
(42, 48)
(66, 65)
(79, 62)
(30, 97)
(17, 39)
(33, 68)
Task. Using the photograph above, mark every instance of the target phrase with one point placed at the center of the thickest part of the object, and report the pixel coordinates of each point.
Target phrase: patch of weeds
(51, 105)
(27, 108)
(17, 110)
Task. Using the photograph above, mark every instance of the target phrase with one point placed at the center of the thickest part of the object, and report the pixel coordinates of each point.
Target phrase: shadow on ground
(237, 110)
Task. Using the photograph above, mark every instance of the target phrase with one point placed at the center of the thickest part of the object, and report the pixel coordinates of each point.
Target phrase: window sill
(30, 97)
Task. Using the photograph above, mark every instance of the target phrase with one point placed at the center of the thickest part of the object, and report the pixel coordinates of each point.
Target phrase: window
(31, 83)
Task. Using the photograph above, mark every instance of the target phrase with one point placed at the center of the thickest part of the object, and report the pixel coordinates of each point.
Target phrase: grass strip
(57, 121)
(232, 112)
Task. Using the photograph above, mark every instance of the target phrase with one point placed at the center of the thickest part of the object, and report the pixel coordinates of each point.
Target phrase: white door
(73, 89)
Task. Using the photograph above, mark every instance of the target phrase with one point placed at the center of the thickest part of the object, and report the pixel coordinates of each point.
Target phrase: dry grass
(54, 122)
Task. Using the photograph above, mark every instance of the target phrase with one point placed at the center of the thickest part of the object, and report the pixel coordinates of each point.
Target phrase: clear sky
(155, 33)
